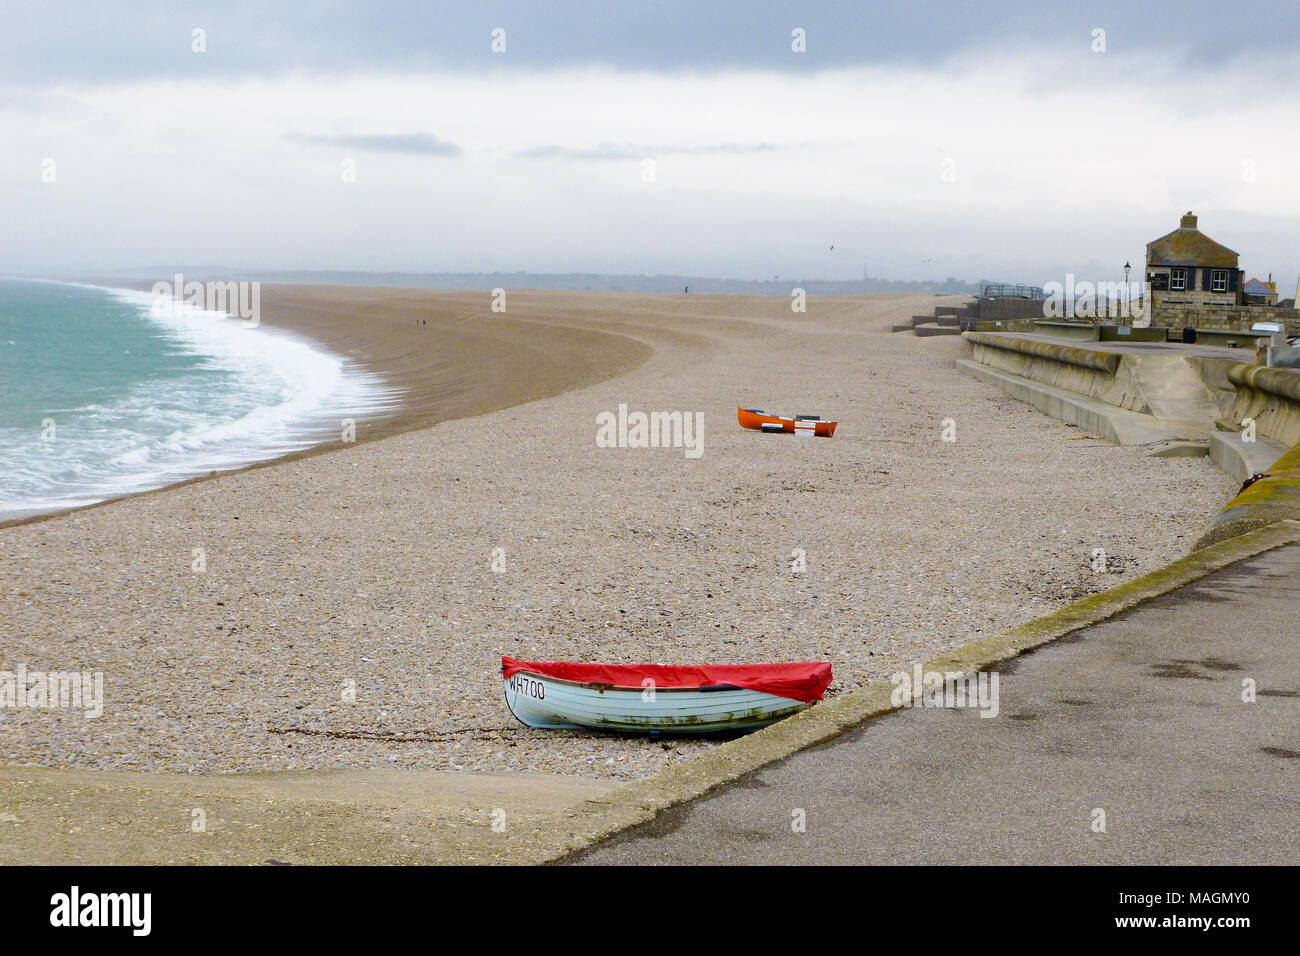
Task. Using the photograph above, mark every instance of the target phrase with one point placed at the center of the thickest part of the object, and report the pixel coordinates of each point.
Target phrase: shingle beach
(349, 615)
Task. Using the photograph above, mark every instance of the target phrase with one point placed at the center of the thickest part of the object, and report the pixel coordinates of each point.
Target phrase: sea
(103, 393)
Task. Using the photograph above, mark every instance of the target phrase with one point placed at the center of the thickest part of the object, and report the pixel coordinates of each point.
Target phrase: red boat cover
(805, 681)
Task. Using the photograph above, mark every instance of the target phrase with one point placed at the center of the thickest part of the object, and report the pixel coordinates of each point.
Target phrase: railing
(1002, 290)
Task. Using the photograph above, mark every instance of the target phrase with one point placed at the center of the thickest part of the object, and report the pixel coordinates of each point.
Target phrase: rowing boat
(800, 424)
(659, 698)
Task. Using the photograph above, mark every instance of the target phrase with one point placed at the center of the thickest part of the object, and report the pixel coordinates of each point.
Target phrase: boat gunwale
(599, 687)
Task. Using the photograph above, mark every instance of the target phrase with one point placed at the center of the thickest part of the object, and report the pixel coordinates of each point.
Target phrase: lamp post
(1127, 267)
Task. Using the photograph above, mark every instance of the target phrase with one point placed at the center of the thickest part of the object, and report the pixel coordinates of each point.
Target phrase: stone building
(1197, 283)
(1188, 269)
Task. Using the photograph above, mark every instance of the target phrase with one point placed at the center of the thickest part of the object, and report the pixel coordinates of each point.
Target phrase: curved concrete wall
(1274, 498)
(1271, 396)
(1098, 375)
(1282, 382)
(1062, 329)
(1068, 354)
(1173, 388)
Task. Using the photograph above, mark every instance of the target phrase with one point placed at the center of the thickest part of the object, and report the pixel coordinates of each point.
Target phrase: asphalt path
(1134, 741)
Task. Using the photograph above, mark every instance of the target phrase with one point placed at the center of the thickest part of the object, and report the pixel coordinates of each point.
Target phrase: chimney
(1188, 221)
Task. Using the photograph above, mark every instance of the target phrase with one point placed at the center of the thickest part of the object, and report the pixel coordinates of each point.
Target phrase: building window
(1219, 280)
(1177, 280)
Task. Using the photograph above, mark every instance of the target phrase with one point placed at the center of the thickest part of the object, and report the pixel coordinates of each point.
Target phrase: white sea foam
(282, 393)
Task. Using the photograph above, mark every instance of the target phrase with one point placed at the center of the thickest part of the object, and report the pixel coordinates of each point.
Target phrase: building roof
(1256, 287)
(1188, 246)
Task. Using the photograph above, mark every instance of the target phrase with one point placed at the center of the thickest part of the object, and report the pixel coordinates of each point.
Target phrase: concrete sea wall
(1069, 367)
(1270, 396)
(1273, 498)
(1159, 384)
(1127, 398)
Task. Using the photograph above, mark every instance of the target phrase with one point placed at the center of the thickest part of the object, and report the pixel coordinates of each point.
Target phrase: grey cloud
(61, 41)
(615, 151)
(423, 144)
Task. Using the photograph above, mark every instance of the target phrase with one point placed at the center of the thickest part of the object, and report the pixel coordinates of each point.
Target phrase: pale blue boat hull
(549, 704)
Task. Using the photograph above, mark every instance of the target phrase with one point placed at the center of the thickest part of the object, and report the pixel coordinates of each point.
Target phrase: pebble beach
(354, 602)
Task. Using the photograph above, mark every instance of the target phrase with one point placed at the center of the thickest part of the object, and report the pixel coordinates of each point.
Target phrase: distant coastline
(669, 284)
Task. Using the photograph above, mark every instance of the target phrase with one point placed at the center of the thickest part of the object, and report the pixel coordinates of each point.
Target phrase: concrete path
(1180, 349)
(332, 816)
(1140, 716)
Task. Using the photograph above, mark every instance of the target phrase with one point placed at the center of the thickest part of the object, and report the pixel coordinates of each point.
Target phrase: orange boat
(800, 424)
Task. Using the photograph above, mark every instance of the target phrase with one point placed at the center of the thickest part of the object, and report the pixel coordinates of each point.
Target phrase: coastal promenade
(1145, 717)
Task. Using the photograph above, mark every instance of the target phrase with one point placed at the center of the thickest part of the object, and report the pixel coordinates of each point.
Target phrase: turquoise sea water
(101, 395)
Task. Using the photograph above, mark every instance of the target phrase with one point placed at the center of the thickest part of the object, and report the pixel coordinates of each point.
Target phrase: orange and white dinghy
(800, 425)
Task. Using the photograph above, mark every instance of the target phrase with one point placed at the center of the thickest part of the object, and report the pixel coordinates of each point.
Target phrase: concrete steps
(1241, 459)
(1172, 388)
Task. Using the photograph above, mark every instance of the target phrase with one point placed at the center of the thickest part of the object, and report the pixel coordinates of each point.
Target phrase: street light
(1127, 267)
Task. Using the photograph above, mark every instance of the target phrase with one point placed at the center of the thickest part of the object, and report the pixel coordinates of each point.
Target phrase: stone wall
(1193, 298)
(1008, 308)
(1237, 318)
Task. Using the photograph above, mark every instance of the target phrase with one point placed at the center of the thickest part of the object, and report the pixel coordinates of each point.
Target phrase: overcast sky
(925, 139)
